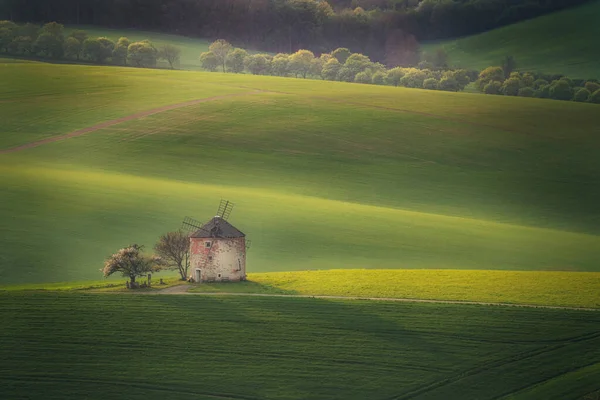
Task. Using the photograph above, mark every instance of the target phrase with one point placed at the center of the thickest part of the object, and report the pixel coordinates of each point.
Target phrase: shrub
(279, 65)
(527, 92)
(582, 95)
(595, 97)
(345, 75)
(537, 84)
(73, 47)
(341, 54)
(119, 55)
(431, 84)
(235, 60)
(494, 87)
(592, 86)
(209, 61)
(414, 78)
(527, 79)
(378, 78)
(425, 65)
(257, 64)
(49, 45)
(561, 90)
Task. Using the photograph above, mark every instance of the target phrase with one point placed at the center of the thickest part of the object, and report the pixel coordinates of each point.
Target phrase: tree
(595, 97)
(488, 75)
(119, 55)
(279, 65)
(300, 62)
(8, 31)
(582, 95)
(357, 63)
(440, 58)
(48, 45)
(508, 66)
(561, 90)
(131, 263)
(73, 47)
(209, 61)
(378, 78)
(543, 92)
(93, 50)
(174, 251)
(592, 86)
(394, 76)
(220, 48)
(169, 53)
(449, 84)
(80, 35)
(511, 86)
(527, 91)
(413, 78)
(538, 83)
(142, 54)
(431, 84)
(331, 69)
(341, 54)
(363, 77)
(257, 64)
(235, 60)
(106, 49)
(316, 67)
(54, 29)
(493, 87)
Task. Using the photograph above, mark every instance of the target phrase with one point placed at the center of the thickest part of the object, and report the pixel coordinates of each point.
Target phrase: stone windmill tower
(217, 248)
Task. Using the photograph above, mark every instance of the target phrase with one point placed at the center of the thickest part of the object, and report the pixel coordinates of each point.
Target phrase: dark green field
(183, 347)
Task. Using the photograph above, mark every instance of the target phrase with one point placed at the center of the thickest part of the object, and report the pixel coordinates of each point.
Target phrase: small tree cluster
(495, 80)
(339, 65)
(50, 41)
(131, 263)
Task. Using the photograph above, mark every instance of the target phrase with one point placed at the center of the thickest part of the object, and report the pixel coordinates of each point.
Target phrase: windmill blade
(225, 209)
(189, 224)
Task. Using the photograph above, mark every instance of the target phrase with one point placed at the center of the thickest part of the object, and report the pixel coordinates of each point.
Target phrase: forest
(370, 27)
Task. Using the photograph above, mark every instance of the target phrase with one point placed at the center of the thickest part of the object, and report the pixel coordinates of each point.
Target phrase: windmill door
(198, 275)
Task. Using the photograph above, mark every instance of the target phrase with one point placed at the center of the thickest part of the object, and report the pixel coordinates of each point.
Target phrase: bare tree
(170, 53)
(131, 263)
(174, 251)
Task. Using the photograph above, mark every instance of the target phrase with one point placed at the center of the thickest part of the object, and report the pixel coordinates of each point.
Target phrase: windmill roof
(218, 228)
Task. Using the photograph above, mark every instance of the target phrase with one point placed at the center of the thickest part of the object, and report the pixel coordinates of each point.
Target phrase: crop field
(559, 43)
(567, 289)
(106, 346)
(324, 175)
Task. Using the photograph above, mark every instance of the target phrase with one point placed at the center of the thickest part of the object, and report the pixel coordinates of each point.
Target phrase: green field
(324, 174)
(183, 347)
(566, 289)
(560, 43)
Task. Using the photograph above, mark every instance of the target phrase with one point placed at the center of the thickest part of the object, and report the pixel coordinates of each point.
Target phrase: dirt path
(106, 124)
(183, 289)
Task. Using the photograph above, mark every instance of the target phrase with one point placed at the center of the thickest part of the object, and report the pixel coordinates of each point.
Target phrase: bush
(488, 75)
(561, 90)
(331, 69)
(235, 60)
(279, 65)
(431, 84)
(449, 85)
(582, 95)
(537, 84)
(595, 97)
(592, 86)
(119, 55)
(345, 75)
(73, 47)
(49, 45)
(209, 61)
(527, 92)
(494, 87)
(378, 78)
(394, 75)
(257, 64)
(414, 78)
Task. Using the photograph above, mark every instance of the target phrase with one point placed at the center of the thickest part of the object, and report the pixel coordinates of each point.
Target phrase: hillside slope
(323, 174)
(561, 43)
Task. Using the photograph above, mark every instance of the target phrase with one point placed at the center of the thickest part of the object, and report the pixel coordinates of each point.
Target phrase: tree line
(339, 65)
(503, 80)
(50, 41)
(376, 28)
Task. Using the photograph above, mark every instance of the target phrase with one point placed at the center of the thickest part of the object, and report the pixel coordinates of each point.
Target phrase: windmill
(190, 225)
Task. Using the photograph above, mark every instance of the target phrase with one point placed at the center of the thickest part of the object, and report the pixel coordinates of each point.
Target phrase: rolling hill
(560, 43)
(324, 174)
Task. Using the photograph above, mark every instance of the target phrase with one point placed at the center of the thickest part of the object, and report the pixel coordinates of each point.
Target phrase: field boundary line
(181, 290)
(116, 121)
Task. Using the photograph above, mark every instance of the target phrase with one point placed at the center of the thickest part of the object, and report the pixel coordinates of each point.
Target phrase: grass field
(324, 175)
(560, 43)
(115, 346)
(569, 289)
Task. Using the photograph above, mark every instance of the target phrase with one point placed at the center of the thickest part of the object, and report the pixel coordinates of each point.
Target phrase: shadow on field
(239, 287)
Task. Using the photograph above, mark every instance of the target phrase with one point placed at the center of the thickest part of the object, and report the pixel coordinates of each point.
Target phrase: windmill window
(207, 244)
(210, 258)
(239, 265)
